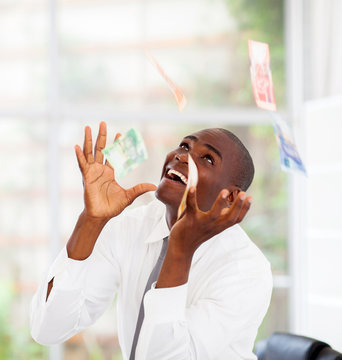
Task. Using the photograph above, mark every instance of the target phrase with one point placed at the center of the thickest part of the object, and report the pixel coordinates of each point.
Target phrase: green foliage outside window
(15, 344)
(261, 20)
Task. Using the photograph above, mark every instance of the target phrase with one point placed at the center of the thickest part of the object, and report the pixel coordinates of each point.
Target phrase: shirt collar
(161, 229)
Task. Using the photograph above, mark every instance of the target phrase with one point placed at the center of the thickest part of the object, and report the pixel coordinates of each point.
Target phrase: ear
(233, 193)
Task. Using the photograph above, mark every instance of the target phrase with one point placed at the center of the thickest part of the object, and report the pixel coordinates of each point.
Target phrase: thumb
(191, 202)
(138, 190)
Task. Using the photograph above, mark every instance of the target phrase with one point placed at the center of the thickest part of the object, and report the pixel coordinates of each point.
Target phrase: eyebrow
(210, 147)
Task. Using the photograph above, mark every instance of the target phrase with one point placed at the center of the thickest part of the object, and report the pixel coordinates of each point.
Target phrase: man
(214, 285)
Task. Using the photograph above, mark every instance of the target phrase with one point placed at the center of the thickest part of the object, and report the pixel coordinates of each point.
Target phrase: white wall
(322, 265)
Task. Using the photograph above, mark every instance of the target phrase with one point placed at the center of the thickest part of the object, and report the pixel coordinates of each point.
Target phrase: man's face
(212, 152)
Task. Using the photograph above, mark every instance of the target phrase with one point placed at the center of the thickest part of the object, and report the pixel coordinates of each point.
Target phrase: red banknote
(177, 92)
(261, 75)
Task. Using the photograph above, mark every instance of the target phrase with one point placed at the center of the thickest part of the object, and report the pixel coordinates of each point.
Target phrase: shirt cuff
(68, 274)
(165, 304)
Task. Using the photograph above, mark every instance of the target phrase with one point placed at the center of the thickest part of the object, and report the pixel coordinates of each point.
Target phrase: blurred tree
(15, 341)
(260, 20)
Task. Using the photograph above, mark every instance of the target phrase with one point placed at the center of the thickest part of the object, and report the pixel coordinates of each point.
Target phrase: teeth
(180, 175)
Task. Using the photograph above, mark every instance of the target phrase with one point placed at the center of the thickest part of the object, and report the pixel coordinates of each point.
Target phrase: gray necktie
(153, 277)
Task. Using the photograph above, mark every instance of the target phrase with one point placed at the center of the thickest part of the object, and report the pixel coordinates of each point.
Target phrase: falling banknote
(126, 153)
(289, 156)
(261, 75)
(178, 94)
(192, 181)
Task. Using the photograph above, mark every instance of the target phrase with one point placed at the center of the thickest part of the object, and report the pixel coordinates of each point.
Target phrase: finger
(245, 207)
(234, 211)
(221, 203)
(82, 162)
(117, 136)
(100, 142)
(191, 202)
(138, 190)
(88, 145)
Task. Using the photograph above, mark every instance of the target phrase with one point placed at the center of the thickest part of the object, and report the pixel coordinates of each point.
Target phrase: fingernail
(192, 189)
(250, 199)
(242, 196)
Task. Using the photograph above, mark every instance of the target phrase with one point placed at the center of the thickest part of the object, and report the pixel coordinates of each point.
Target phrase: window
(98, 72)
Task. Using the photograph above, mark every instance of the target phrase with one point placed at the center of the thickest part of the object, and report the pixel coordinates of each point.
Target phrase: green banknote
(126, 153)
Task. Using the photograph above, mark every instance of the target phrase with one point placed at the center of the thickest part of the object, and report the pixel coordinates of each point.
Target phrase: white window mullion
(53, 106)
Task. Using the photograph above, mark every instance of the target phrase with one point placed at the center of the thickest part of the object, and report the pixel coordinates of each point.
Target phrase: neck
(171, 216)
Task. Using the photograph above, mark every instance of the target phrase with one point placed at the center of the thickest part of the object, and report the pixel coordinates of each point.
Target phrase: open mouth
(176, 176)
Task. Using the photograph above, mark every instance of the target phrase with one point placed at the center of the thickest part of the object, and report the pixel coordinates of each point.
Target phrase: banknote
(261, 75)
(192, 181)
(178, 94)
(289, 157)
(126, 153)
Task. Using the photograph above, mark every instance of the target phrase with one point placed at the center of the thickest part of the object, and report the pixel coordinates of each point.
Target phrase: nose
(182, 158)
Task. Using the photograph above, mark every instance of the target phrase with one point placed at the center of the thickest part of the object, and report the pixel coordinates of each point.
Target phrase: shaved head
(243, 173)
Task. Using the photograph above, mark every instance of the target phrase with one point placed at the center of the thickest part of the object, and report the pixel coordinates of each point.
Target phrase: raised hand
(193, 229)
(104, 198)
(195, 226)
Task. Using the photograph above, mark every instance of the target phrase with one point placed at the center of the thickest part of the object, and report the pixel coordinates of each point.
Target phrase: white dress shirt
(215, 315)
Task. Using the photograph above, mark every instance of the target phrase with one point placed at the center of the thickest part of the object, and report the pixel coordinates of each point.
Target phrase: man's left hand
(196, 226)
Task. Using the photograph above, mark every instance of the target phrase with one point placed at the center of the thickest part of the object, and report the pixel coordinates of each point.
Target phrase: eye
(184, 146)
(209, 158)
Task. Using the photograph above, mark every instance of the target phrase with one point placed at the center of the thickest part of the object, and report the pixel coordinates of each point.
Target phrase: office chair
(284, 346)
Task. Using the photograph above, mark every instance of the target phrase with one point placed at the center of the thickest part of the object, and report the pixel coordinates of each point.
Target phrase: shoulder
(231, 255)
(245, 266)
(232, 270)
(242, 260)
(235, 240)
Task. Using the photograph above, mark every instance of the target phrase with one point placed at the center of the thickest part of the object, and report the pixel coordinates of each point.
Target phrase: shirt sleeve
(206, 329)
(81, 292)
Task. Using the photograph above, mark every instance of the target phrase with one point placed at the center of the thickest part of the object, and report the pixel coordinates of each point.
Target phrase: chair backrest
(284, 346)
(329, 354)
(260, 349)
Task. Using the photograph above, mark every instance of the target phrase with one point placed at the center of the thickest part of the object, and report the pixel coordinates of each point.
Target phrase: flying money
(178, 94)
(126, 153)
(261, 75)
(289, 156)
(192, 181)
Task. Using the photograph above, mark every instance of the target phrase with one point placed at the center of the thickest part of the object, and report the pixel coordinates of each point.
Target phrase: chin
(167, 195)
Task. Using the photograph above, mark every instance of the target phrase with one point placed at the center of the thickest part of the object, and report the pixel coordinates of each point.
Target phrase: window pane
(23, 55)
(24, 186)
(24, 223)
(202, 46)
(265, 224)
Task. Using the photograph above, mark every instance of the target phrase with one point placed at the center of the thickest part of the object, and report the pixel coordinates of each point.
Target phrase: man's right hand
(104, 198)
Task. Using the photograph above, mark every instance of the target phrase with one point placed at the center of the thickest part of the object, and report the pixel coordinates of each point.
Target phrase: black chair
(284, 346)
